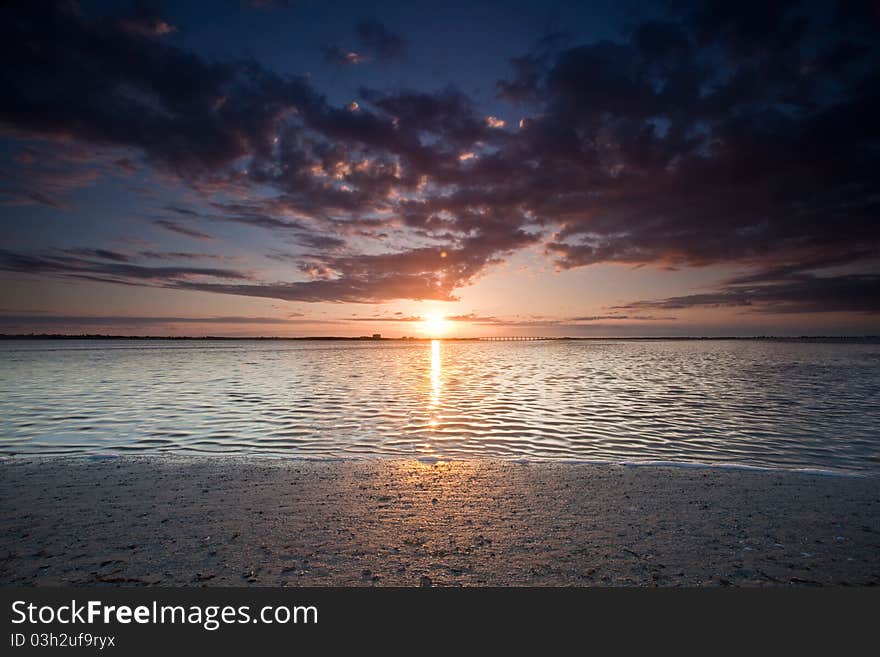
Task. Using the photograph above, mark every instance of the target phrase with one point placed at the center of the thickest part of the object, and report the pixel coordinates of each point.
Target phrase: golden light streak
(436, 380)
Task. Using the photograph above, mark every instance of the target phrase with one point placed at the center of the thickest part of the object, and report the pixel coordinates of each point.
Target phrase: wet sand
(255, 521)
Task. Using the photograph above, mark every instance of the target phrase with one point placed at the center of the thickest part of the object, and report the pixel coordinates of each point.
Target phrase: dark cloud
(144, 20)
(740, 135)
(598, 318)
(181, 255)
(377, 39)
(123, 320)
(343, 289)
(415, 274)
(518, 322)
(92, 80)
(186, 212)
(803, 293)
(47, 176)
(102, 254)
(251, 215)
(29, 197)
(262, 215)
(526, 322)
(419, 274)
(376, 42)
(664, 150)
(474, 319)
(448, 115)
(320, 241)
(341, 57)
(95, 266)
(176, 227)
(197, 118)
(397, 318)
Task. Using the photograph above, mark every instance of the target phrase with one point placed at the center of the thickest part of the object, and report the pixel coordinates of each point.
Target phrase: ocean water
(778, 404)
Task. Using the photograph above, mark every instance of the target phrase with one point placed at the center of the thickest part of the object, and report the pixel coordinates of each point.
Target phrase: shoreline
(184, 456)
(199, 520)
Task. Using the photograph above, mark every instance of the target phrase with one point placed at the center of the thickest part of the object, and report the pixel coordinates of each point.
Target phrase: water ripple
(767, 404)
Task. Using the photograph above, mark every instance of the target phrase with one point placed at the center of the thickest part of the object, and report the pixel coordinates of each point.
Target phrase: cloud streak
(116, 268)
(132, 320)
(177, 227)
(854, 293)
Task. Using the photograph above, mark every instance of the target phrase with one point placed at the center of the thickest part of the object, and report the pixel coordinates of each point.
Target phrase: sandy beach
(254, 521)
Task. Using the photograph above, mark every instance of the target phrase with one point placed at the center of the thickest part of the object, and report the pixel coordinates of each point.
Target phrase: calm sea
(761, 403)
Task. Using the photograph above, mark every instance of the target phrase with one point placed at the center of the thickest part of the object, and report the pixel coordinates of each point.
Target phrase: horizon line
(380, 338)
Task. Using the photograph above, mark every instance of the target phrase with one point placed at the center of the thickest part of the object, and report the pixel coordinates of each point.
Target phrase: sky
(460, 169)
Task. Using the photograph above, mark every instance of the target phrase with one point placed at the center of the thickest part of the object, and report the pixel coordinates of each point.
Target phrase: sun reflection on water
(436, 376)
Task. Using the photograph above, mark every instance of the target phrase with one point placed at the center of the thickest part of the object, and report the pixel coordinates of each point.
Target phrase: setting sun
(435, 325)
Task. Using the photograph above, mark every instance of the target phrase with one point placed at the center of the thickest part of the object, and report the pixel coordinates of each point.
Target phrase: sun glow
(435, 325)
